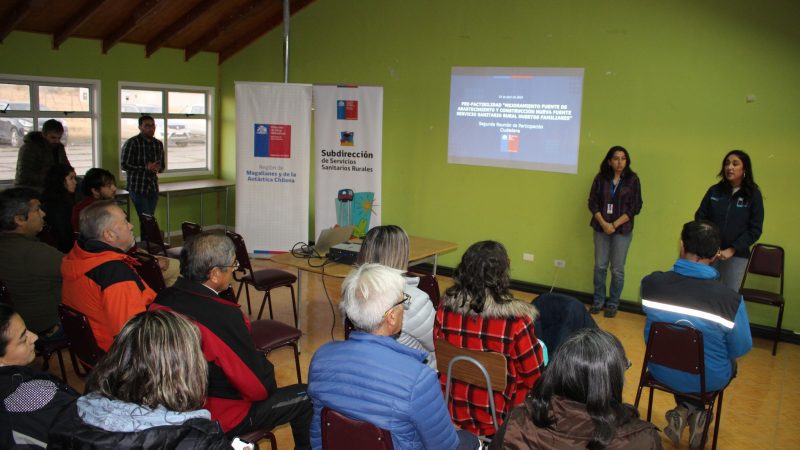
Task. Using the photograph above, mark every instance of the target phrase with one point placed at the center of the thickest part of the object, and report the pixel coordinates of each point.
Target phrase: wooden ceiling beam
(18, 14)
(202, 43)
(142, 12)
(248, 38)
(178, 25)
(74, 22)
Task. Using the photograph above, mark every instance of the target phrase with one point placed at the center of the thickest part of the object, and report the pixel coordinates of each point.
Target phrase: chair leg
(45, 361)
(778, 330)
(76, 365)
(61, 365)
(264, 302)
(294, 306)
(247, 295)
(716, 421)
(650, 406)
(638, 397)
(297, 362)
(273, 444)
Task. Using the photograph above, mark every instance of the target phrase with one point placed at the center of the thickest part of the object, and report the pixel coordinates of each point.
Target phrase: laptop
(330, 237)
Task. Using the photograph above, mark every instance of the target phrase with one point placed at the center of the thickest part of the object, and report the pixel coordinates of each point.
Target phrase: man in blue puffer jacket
(373, 378)
(691, 294)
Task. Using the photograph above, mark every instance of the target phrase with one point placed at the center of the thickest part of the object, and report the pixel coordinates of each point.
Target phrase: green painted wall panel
(668, 80)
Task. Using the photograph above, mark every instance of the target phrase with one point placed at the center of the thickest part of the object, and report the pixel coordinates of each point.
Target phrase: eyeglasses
(234, 266)
(404, 301)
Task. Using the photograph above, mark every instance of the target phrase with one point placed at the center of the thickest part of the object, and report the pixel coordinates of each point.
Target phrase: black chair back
(80, 336)
(189, 229)
(150, 271)
(152, 238)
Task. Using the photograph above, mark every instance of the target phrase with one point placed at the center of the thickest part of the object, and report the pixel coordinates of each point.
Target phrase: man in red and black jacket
(242, 393)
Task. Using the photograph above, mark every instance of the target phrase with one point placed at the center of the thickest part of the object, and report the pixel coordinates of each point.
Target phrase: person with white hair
(372, 377)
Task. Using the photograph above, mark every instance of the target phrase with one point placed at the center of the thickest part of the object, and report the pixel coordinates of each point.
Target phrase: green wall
(29, 54)
(668, 80)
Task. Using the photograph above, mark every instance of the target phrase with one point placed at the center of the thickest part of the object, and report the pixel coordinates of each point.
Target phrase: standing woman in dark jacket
(147, 392)
(736, 207)
(615, 197)
(57, 202)
(577, 402)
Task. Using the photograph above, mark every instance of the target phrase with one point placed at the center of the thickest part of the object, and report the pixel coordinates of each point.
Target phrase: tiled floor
(760, 409)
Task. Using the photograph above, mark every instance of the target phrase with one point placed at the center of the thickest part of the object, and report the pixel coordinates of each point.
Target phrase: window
(25, 104)
(183, 123)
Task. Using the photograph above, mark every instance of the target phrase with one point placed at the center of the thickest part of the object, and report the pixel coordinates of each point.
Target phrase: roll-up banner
(348, 130)
(273, 129)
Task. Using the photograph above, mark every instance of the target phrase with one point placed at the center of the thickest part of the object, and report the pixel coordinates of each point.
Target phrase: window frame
(165, 115)
(34, 82)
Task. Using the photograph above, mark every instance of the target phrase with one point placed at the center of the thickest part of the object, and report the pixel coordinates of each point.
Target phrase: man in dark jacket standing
(242, 393)
(39, 152)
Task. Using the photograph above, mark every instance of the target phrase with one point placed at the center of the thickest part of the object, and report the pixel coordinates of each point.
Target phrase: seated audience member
(372, 377)
(147, 392)
(479, 313)
(30, 269)
(58, 200)
(99, 276)
(388, 245)
(25, 422)
(242, 394)
(98, 184)
(577, 402)
(39, 152)
(691, 294)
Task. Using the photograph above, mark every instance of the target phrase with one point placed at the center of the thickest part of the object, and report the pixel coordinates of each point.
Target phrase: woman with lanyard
(615, 197)
(735, 206)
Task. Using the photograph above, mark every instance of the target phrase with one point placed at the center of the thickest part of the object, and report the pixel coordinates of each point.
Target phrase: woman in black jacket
(736, 207)
(57, 202)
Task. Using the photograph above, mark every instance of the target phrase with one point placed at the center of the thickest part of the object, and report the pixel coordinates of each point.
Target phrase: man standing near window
(39, 152)
(142, 160)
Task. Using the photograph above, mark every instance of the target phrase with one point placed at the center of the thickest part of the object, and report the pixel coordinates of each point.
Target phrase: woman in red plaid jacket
(479, 313)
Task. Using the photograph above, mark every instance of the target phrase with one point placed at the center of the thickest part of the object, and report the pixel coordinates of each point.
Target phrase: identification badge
(610, 209)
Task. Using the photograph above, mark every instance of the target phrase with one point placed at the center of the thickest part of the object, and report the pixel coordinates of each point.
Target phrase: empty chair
(263, 280)
(153, 239)
(766, 260)
(340, 432)
(269, 335)
(82, 344)
(679, 347)
(189, 229)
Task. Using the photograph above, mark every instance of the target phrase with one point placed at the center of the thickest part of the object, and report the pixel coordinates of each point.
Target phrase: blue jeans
(609, 248)
(144, 204)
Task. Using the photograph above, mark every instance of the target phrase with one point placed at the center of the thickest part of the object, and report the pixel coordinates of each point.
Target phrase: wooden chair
(150, 272)
(488, 370)
(269, 335)
(153, 239)
(766, 260)
(340, 432)
(44, 349)
(83, 346)
(263, 280)
(679, 347)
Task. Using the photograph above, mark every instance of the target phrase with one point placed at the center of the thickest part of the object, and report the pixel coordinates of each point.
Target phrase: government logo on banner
(347, 110)
(272, 141)
(346, 138)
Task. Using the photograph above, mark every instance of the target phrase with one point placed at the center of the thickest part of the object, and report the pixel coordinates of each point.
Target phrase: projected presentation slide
(521, 118)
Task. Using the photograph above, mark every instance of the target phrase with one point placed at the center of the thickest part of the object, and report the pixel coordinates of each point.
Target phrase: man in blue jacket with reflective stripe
(373, 378)
(691, 294)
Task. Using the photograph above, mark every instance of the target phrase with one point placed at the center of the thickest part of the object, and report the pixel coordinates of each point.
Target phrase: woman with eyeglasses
(577, 402)
(479, 313)
(388, 245)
